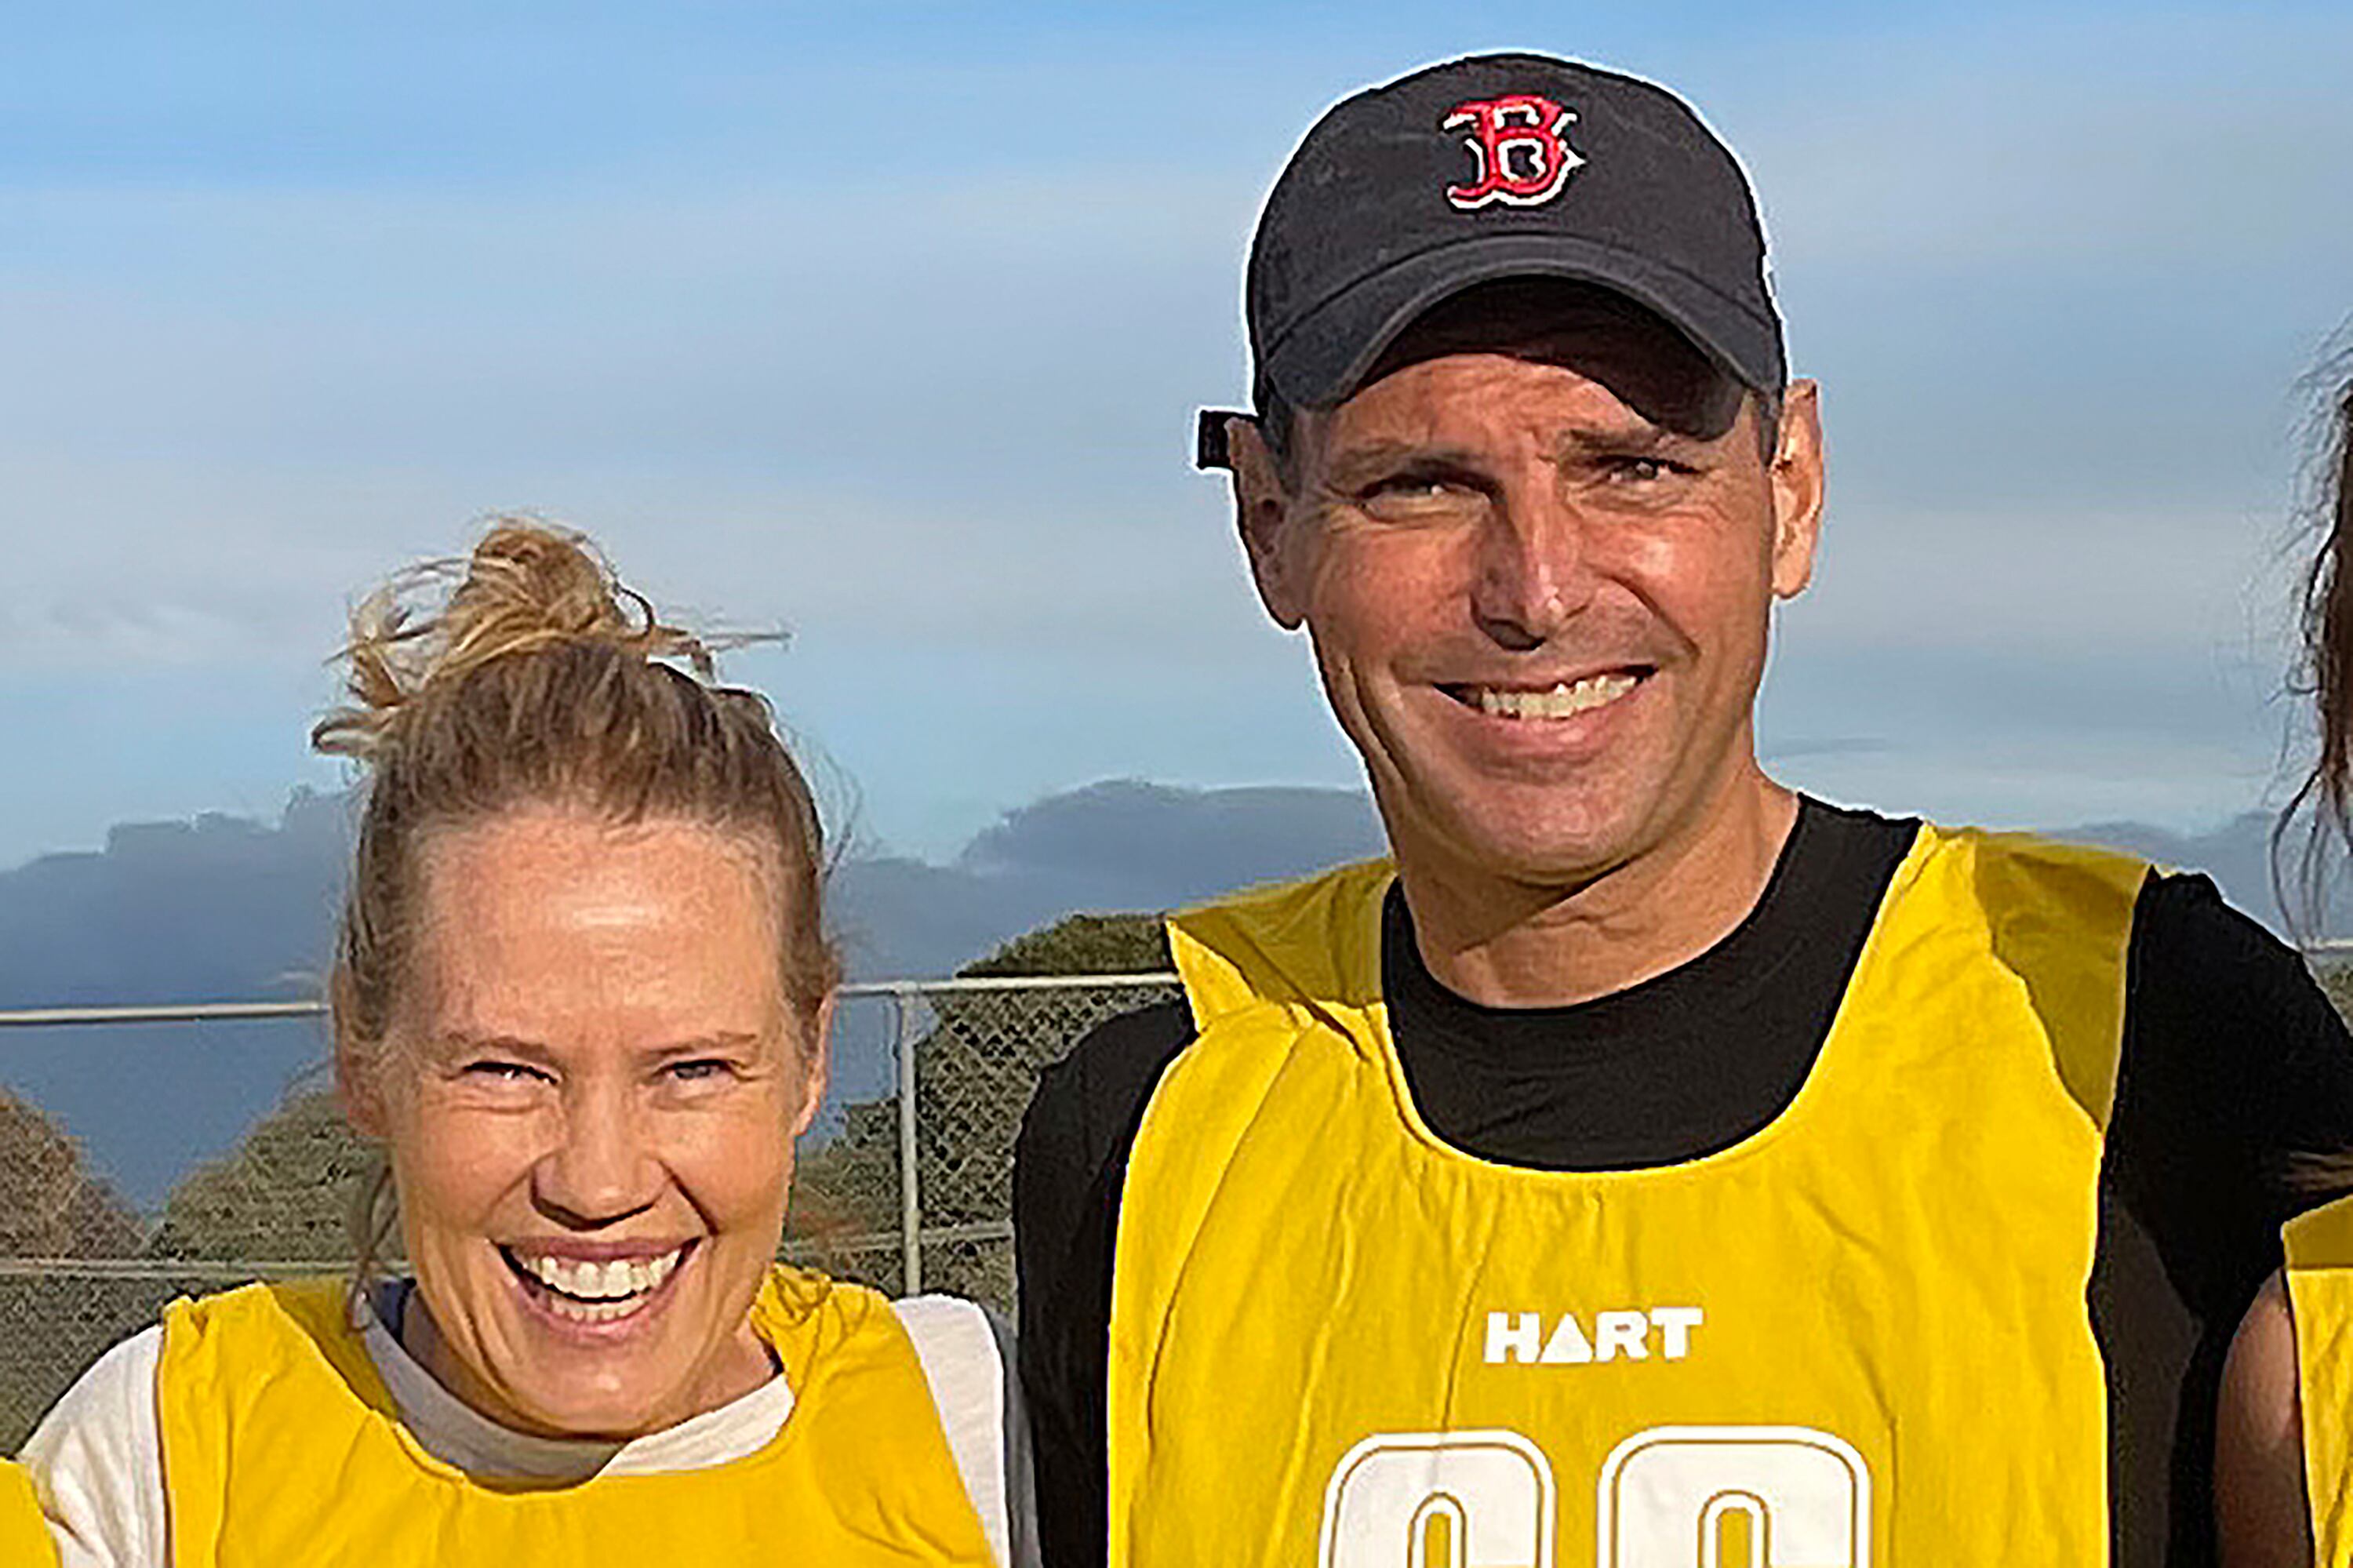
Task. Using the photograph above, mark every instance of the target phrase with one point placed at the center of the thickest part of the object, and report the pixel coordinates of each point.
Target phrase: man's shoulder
(2016, 883)
(2035, 850)
(1126, 1045)
(1090, 1100)
(1291, 893)
(2174, 908)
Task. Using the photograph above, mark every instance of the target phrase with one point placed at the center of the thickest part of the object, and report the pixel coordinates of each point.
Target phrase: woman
(581, 994)
(2283, 1484)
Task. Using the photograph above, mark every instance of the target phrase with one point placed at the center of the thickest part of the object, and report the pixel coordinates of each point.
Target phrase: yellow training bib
(1858, 1335)
(23, 1532)
(281, 1448)
(2319, 1248)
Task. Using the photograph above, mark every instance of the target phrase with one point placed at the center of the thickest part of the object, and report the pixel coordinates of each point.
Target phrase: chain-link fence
(906, 1186)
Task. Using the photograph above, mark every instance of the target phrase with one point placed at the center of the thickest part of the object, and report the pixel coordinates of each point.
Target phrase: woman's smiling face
(590, 1087)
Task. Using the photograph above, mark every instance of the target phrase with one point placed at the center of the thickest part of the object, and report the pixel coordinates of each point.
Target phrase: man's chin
(1540, 842)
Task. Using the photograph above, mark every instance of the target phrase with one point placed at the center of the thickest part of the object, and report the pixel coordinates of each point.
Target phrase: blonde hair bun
(528, 586)
(526, 675)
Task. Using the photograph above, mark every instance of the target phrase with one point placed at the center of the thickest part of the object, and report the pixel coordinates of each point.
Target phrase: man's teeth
(1560, 701)
(593, 1291)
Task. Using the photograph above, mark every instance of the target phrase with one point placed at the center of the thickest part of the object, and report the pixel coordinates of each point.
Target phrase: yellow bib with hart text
(1858, 1335)
(280, 1447)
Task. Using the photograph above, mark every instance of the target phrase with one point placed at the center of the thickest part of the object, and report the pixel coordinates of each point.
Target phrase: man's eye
(1644, 469)
(1417, 496)
(1411, 489)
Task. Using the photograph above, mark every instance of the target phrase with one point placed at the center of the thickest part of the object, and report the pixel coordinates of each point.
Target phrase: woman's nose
(602, 1168)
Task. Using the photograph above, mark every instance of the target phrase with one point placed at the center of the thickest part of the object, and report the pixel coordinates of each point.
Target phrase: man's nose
(602, 1168)
(1534, 571)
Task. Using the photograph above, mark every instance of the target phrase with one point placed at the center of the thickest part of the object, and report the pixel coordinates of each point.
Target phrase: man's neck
(1503, 942)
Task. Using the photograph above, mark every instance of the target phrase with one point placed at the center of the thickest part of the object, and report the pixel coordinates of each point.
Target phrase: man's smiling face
(1537, 554)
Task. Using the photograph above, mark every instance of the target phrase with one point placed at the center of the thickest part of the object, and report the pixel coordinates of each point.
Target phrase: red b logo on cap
(1517, 139)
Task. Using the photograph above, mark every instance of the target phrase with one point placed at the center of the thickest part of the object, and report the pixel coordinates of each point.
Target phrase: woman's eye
(501, 1072)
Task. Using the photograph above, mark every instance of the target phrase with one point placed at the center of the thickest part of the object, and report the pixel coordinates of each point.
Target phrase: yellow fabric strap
(1858, 1335)
(2319, 1248)
(280, 1446)
(25, 1539)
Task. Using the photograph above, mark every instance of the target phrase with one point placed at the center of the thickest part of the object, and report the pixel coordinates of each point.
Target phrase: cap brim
(1327, 357)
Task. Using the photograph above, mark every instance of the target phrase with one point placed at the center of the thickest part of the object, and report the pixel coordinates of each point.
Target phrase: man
(1656, 1168)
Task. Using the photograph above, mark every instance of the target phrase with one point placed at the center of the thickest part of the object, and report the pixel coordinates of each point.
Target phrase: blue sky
(886, 324)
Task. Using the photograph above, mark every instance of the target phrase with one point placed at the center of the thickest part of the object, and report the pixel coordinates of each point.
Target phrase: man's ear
(817, 1066)
(1797, 481)
(1261, 512)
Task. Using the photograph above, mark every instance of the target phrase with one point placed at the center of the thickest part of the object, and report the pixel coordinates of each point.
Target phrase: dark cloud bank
(224, 909)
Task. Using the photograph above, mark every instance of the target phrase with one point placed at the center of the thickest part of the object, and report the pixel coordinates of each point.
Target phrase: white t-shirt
(97, 1458)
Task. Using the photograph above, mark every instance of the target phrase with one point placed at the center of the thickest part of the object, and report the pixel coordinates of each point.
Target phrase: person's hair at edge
(2323, 801)
(528, 677)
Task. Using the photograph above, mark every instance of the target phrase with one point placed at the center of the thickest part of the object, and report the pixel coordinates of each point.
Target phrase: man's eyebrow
(1353, 466)
(1344, 469)
(1634, 440)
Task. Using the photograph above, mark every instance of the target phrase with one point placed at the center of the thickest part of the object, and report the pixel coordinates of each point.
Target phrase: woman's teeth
(588, 1291)
(1560, 701)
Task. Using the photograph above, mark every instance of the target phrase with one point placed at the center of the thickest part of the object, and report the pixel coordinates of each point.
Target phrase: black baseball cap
(1495, 166)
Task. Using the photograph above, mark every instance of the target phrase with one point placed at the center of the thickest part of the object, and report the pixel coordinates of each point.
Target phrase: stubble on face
(1538, 568)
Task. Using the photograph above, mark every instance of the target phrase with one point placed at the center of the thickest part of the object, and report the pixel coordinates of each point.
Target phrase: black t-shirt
(2233, 1065)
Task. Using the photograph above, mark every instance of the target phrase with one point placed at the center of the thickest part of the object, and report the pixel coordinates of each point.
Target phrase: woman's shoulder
(116, 1397)
(955, 1339)
(24, 1536)
(964, 1351)
(946, 1331)
(949, 1328)
(96, 1460)
(967, 1352)
(316, 1303)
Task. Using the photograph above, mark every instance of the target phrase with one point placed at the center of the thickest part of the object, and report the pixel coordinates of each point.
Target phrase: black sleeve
(1069, 1164)
(2235, 1070)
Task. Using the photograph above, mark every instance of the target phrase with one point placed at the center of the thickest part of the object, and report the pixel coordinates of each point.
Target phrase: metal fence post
(911, 1205)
